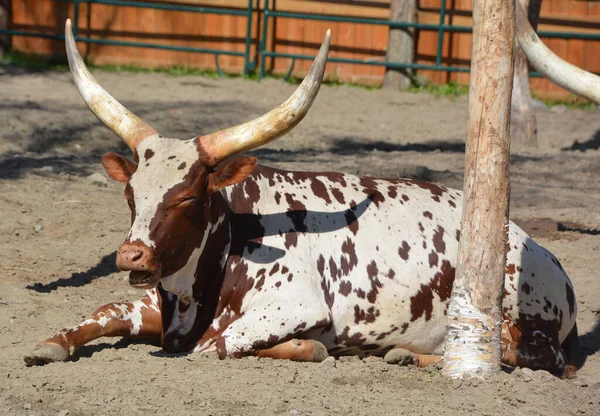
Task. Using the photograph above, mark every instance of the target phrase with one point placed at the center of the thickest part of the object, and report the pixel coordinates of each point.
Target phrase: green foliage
(572, 101)
(451, 89)
(21, 60)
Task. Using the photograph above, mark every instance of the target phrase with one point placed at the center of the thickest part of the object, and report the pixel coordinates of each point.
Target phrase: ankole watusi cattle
(249, 260)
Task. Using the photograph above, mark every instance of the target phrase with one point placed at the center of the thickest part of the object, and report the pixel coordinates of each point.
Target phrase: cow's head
(170, 186)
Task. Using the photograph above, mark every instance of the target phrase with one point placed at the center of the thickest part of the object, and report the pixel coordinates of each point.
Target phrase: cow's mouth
(143, 279)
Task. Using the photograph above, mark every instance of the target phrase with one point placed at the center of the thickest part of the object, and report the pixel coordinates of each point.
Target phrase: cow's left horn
(561, 72)
(121, 121)
(218, 146)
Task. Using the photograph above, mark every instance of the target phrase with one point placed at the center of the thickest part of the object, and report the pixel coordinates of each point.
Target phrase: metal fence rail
(263, 50)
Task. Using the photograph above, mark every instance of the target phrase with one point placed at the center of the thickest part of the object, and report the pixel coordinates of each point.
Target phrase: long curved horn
(218, 146)
(559, 71)
(121, 121)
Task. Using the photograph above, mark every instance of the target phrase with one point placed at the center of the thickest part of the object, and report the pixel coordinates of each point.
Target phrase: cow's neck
(190, 295)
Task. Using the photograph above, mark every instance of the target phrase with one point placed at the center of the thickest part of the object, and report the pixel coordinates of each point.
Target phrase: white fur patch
(155, 176)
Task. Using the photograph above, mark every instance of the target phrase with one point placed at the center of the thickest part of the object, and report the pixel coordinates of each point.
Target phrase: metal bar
(369, 62)
(162, 6)
(440, 43)
(289, 73)
(381, 22)
(218, 67)
(76, 18)
(247, 65)
(12, 32)
(263, 40)
(157, 46)
(569, 35)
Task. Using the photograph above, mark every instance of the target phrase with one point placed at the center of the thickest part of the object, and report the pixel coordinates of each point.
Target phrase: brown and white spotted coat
(249, 257)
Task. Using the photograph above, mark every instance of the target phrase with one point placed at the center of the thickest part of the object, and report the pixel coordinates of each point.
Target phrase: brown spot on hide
(361, 315)
(361, 294)
(345, 288)
(405, 197)
(438, 240)
(570, 299)
(433, 259)
(403, 251)
(182, 166)
(351, 221)
(526, 288)
(428, 214)
(291, 239)
(148, 154)
(392, 191)
(434, 189)
(457, 235)
(372, 274)
(390, 274)
(338, 195)
(348, 259)
(370, 188)
(333, 269)
(421, 228)
(451, 203)
(422, 303)
(260, 279)
(354, 340)
(510, 269)
(320, 190)
(274, 269)
(277, 197)
(321, 264)
(300, 326)
(296, 212)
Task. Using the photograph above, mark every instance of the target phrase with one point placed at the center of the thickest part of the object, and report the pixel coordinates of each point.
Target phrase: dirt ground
(60, 228)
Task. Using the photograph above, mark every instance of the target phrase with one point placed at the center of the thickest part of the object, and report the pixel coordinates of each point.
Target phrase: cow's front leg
(274, 335)
(296, 350)
(404, 357)
(137, 319)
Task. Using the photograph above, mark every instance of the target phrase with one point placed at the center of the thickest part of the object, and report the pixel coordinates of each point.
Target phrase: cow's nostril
(137, 256)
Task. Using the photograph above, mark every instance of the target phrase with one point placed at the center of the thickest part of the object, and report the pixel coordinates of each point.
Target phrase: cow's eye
(185, 201)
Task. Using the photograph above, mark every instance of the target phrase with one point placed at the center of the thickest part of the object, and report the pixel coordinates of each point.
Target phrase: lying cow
(249, 260)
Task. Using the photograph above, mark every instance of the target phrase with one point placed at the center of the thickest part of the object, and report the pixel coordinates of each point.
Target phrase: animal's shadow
(105, 267)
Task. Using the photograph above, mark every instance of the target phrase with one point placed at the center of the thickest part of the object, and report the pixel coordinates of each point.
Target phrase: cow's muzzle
(138, 259)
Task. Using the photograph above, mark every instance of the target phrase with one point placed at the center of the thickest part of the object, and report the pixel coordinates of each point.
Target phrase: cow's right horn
(218, 146)
(561, 72)
(123, 123)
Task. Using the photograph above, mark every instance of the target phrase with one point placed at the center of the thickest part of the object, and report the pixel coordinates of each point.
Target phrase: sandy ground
(60, 229)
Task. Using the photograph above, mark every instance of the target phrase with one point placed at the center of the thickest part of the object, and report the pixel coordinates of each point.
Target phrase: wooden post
(401, 44)
(475, 312)
(523, 125)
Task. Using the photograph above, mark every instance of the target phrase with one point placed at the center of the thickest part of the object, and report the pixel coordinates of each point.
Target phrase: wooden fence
(351, 40)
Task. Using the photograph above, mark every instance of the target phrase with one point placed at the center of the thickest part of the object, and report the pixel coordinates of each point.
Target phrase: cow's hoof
(46, 353)
(320, 351)
(399, 356)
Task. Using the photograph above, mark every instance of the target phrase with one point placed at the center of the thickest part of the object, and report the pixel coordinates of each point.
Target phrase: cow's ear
(118, 167)
(231, 172)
